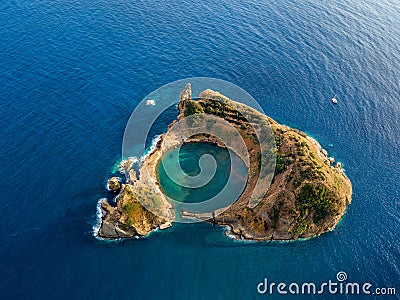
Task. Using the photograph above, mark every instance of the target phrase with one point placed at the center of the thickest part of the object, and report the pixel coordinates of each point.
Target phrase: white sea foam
(152, 147)
(229, 233)
(126, 164)
(99, 216)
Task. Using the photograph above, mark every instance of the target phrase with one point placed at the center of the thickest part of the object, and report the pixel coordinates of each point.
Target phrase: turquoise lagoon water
(187, 157)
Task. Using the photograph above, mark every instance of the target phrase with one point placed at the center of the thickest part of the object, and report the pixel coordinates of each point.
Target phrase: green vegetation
(282, 162)
(134, 211)
(301, 226)
(215, 107)
(318, 199)
(303, 144)
(278, 140)
(307, 173)
(223, 110)
(193, 107)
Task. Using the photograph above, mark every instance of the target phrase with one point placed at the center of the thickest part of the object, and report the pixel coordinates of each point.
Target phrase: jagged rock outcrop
(114, 184)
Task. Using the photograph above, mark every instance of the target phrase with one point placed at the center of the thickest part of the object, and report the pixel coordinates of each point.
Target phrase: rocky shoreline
(307, 197)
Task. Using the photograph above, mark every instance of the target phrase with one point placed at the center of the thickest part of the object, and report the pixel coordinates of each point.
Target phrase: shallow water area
(187, 158)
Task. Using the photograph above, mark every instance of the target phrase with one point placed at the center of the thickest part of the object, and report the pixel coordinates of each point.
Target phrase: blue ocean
(71, 73)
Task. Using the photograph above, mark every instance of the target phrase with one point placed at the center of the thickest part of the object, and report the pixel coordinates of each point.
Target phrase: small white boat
(151, 102)
(334, 100)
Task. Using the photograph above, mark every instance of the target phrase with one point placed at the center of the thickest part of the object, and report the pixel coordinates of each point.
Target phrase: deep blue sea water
(71, 72)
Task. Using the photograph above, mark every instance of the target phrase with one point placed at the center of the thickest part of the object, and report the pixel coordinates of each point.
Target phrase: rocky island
(307, 196)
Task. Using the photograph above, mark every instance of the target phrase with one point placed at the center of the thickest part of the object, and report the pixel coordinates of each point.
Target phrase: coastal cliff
(307, 197)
